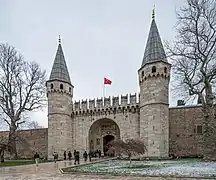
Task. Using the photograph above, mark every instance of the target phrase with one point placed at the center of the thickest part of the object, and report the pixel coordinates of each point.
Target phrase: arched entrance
(106, 140)
(101, 133)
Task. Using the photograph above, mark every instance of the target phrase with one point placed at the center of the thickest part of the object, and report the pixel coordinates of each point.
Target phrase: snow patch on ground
(183, 168)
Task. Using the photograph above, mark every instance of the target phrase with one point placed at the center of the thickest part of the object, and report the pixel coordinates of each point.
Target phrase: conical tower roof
(154, 50)
(59, 70)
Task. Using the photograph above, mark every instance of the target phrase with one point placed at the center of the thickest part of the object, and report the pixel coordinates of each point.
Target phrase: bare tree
(193, 55)
(129, 147)
(22, 89)
(33, 125)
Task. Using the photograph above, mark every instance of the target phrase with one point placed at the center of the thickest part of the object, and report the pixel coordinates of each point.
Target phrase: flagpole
(103, 93)
(103, 90)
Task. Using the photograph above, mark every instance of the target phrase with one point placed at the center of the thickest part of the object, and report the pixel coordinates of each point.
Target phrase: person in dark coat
(65, 154)
(69, 155)
(85, 155)
(77, 154)
(90, 155)
(99, 153)
(55, 156)
(36, 158)
(74, 153)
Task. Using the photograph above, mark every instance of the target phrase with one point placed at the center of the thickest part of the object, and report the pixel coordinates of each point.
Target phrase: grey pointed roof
(154, 50)
(59, 70)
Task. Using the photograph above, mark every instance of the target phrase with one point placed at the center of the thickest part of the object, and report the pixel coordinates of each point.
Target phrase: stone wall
(184, 130)
(29, 141)
(184, 136)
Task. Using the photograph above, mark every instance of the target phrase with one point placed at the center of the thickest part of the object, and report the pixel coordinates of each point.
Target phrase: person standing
(69, 155)
(36, 158)
(55, 156)
(99, 154)
(74, 153)
(89, 154)
(85, 155)
(65, 154)
(77, 154)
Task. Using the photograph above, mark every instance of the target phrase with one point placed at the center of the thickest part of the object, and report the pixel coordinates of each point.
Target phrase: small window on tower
(51, 86)
(165, 69)
(61, 86)
(142, 73)
(199, 129)
(153, 69)
(69, 89)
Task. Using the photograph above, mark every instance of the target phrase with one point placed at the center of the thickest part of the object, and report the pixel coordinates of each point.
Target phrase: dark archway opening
(101, 133)
(106, 140)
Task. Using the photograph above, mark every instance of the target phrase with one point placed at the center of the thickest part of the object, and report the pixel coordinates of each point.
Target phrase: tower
(59, 94)
(154, 76)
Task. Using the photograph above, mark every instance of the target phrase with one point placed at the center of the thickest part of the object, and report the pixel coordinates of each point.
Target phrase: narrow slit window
(153, 69)
(199, 129)
(142, 73)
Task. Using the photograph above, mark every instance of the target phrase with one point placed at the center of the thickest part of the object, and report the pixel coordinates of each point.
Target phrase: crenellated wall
(107, 102)
(123, 110)
(184, 139)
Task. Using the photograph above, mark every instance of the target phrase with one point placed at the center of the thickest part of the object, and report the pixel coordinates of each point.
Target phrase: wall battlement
(107, 102)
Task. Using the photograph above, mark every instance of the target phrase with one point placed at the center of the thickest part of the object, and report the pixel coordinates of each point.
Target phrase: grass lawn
(164, 168)
(19, 162)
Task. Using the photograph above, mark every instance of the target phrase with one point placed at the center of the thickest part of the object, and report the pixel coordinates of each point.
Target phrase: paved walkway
(50, 171)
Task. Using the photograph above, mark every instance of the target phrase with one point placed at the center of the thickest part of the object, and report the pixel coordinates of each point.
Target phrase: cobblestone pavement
(50, 171)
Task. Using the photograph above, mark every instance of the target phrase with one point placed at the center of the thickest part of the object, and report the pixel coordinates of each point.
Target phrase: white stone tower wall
(154, 109)
(59, 118)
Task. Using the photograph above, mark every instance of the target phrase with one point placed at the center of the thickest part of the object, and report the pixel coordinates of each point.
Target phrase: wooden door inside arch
(106, 140)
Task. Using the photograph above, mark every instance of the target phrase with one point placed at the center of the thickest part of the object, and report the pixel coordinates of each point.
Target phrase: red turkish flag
(107, 81)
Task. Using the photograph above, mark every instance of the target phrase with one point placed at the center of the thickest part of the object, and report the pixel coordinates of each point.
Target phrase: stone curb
(147, 176)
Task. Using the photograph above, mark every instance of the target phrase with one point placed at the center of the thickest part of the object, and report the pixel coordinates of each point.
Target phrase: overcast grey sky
(99, 38)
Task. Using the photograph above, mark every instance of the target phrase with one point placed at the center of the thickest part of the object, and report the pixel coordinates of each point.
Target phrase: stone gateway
(101, 133)
(90, 124)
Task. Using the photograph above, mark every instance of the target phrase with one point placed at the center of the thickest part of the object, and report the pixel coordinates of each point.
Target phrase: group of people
(96, 153)
(77, 156)
(37, 157)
